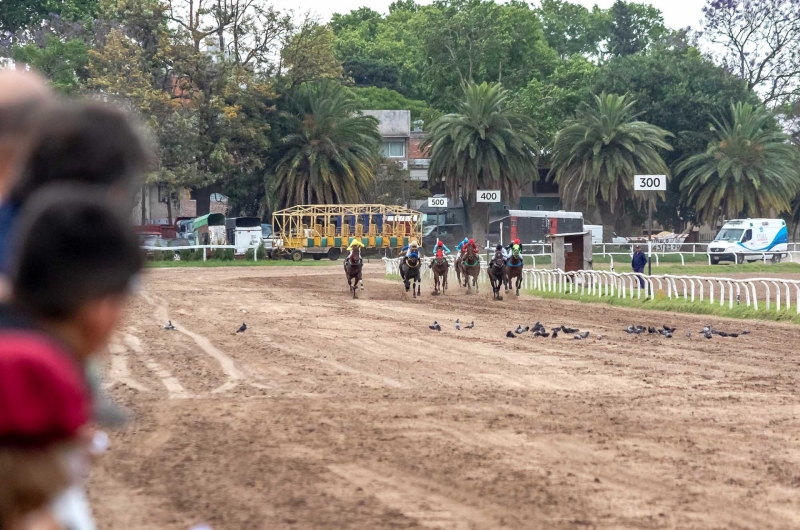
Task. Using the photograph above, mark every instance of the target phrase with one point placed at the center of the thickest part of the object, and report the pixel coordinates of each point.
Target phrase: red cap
(43, 397)
(472, 241)
(516, 241)
(439, 244)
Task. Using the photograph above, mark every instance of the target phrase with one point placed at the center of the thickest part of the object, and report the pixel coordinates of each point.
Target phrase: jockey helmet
(440, 244)
(413, 255)
(499, 247)
(471, 242)
(516, 241)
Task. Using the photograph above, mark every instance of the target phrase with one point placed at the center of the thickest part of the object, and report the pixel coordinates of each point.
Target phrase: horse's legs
(519, 283)
(361, 281)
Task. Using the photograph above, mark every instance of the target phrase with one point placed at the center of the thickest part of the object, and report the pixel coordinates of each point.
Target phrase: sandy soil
(333, 413)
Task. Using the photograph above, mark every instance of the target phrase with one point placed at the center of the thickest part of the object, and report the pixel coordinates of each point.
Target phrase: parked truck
(742, 240)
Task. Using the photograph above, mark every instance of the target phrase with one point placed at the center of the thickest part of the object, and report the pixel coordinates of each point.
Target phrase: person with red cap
(44, 407)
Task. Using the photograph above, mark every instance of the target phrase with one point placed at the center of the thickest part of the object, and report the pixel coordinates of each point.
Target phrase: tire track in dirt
(174, 388)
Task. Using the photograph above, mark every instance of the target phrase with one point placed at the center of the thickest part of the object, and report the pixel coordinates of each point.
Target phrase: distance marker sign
(488, 196)
(437, 202)
(650, 183)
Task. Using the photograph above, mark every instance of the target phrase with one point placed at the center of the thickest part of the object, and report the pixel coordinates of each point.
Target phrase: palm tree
(597, 153)
(331, 152)
(750, 168)
(482, 146)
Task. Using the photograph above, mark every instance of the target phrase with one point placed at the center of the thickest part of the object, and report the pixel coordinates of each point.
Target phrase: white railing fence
(772, 293)
(205, 249)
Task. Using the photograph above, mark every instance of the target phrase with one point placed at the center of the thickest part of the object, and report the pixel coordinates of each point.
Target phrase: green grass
(680, 306)
(239, 263)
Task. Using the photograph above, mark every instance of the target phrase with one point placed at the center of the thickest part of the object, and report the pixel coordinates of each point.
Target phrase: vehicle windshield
(428, 230)
(729, 234)
(266, 230)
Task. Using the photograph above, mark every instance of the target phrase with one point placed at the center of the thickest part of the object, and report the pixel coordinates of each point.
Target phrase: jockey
(411, 247)
(514, 245)
(462, 244)
(439, 248)
(499, 249)
(354, 243)
(469, 243)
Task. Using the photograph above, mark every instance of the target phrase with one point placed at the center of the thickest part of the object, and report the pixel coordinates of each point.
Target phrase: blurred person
(83, 143)
(75, 259)
(44, 405)
(23, 95)
(638, 261)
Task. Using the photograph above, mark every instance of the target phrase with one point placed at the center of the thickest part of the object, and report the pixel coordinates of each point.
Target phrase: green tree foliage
(330, 154)
(309, 55)
(370, 73)
(481, 41)
(393, 185)
(483, 145)
(16, 15)
(554, 99)
(371, 98)
(677, 89)
(748, 169)
(571, 29)
(597, 153)
(63, 62)
(633, 27)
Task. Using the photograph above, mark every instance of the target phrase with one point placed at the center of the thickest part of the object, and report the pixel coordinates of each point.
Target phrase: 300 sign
(650, 183)
(488, 196)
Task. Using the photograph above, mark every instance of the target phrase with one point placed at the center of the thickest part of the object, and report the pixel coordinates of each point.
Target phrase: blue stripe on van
(781, 237)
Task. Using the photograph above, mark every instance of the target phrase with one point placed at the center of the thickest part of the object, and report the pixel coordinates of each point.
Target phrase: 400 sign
(488, 196)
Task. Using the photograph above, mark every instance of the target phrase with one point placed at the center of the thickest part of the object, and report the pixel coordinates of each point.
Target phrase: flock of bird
(539, 330)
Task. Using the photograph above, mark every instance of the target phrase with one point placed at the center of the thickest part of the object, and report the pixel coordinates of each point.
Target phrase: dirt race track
(332, 413)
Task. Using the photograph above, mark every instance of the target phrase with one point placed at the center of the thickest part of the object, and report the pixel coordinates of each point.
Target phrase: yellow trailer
(325, 230)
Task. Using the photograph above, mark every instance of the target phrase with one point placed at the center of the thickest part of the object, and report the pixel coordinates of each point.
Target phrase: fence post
(204, 253)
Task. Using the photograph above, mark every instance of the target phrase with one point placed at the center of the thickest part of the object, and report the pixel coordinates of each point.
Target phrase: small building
(395, 128)
(571, 251)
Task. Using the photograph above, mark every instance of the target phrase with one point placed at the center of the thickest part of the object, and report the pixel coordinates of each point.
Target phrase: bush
(261, 253)
(163, 255)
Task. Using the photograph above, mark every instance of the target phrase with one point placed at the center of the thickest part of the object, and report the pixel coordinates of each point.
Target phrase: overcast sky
(677, 13)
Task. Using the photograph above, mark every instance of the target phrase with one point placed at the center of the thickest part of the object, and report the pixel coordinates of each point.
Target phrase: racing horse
(352, 269)
(497, 274)
(513, 270)
(410, 271)
(441, 267)
(470, 266)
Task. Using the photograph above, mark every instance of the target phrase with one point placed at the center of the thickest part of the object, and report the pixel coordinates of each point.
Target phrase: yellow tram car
(325, 230)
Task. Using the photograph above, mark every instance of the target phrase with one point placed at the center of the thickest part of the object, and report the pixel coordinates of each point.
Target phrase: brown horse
(496, 274)
(352, 269)
(440, 268)
(513, 271)
(470, 266)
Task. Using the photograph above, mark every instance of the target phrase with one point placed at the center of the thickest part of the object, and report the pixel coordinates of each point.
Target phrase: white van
(750, 239)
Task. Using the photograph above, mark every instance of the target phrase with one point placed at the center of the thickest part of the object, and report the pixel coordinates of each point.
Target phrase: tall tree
(761, 43)
(597, 153)
(483, 145)
(634, 27)
(675, 88)
(309, 55)
(749, 168)
(571, 29)
(331, 152)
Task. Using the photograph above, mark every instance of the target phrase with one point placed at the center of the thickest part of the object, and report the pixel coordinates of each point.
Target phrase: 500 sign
(437, 202)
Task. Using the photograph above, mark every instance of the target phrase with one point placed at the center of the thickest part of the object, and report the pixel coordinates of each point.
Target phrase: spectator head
(22, 96)
(74, 261)
(85, 143)
(637, 247)
(43, 408)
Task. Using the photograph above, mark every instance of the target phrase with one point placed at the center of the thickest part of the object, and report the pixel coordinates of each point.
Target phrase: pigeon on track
(537, 333)
(242, 328)
(688, 334)
(555, 333)
(669, 329)
(722, 333)
(707, 334)
(470, 326)
(520, 330)
(510, 335)
(581, 336)
(169, 326)
(458, 325)
(435, 326)
(744, 333)
(544, 334)
(569, 330)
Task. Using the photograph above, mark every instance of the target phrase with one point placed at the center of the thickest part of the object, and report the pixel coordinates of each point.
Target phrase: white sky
(677, 13)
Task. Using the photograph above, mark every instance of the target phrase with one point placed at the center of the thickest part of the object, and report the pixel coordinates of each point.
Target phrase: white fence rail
(205, 249)
(772, 293)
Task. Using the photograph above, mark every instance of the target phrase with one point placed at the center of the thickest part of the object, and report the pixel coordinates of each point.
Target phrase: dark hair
(71, 248)
(84, 143)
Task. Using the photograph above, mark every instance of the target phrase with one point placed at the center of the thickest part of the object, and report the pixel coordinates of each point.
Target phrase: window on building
(538, 206)
(394, 149)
